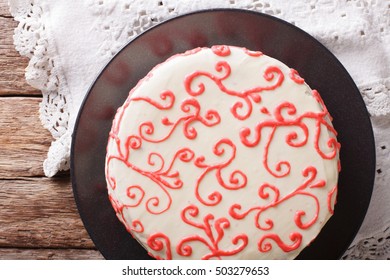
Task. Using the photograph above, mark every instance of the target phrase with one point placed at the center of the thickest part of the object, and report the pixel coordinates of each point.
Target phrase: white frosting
(123, 172)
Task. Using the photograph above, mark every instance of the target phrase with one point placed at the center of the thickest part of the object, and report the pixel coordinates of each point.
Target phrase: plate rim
(212, 10)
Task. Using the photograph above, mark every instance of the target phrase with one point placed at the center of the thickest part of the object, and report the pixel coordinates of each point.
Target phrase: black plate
(254, 31)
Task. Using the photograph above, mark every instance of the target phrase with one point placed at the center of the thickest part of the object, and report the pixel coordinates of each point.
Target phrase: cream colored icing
(141, 179)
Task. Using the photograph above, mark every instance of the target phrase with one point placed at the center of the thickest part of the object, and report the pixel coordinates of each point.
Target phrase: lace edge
(376, 96)
(376, 247)
(32, 40)
(58, 148)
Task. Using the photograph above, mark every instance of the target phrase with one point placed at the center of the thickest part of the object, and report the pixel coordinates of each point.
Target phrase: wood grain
(4, 10)
(12, 65)
(40, 213)
(49, 254)
(24, 142)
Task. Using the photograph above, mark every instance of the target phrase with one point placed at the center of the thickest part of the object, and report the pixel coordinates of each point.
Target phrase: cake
(223, 153)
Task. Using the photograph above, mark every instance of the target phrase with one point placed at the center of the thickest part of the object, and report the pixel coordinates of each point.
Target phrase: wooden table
(38, 215)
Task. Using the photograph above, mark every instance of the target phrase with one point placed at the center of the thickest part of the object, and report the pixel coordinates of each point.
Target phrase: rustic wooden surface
(38, 215)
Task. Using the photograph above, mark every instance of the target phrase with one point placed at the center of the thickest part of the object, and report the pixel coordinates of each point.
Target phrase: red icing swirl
(164, 96)
(237, 178)
(192, 109)
(264, 246)
(221, 50)
(282, 168)
(160, 242)
(271, 73)
(294, 75)
(214, 237)
(264, 193)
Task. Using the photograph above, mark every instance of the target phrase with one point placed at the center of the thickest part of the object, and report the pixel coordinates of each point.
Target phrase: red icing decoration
(221, 50)
(235, 182)
(245, 95)
(214, 236)
(159, 241)
(252, 53)
(158, 176)
(164, 95)
(265, 111)
(331, 194)
(295, 237)
(310, 173)
(137, 226)
(281, 121)
(132, 195)
(210, 119)
(294, 75)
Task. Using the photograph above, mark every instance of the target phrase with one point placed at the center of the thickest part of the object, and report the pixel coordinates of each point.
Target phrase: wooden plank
(23, 140)
(12, 65)
(40, 213)
(38, 216)
(4, 10)
(49, 254)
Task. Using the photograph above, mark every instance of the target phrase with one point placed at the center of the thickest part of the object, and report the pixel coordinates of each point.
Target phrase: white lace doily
(67, 41)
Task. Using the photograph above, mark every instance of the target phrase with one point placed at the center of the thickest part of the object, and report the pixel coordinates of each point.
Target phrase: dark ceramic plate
(254, 31)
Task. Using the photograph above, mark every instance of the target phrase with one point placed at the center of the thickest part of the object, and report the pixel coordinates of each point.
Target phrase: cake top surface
(223, 153)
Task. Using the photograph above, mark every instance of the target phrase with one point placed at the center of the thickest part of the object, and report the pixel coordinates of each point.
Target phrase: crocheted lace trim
(32, 40)
(376, 247)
